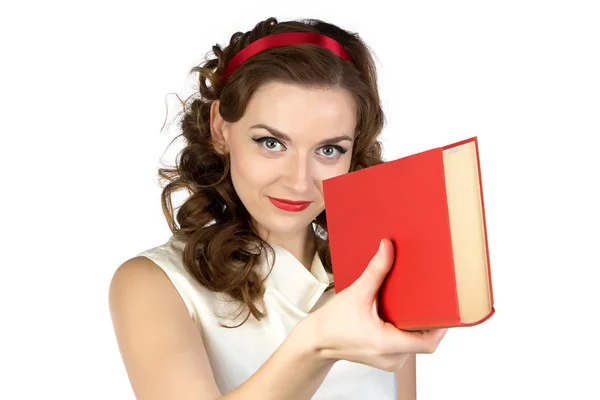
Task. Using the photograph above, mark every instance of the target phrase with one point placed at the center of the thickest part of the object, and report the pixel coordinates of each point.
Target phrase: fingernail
(380, 246)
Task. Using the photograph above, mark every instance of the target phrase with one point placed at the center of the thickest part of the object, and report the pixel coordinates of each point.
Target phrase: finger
(376, 306)
(373, 276)
(427, 342)
(424, 342)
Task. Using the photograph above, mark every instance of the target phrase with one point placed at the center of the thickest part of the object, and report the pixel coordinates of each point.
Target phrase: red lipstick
(289, 205)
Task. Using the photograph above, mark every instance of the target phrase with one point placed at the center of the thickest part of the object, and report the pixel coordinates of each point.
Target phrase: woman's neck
(301, 245)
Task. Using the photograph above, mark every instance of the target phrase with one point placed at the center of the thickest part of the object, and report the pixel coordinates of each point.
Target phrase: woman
(239, 302)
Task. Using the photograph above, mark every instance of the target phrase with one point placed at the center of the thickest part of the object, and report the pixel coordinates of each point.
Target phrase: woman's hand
(348, 327)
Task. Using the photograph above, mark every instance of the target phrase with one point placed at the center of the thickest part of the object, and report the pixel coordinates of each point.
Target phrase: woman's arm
(406, 378)
(165, 357)
(160, 345)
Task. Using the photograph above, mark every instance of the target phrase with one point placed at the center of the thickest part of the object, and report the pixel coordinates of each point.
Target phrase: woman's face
(289, 140)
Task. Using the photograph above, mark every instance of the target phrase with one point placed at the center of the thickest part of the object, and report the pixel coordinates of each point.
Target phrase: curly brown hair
(223, 247)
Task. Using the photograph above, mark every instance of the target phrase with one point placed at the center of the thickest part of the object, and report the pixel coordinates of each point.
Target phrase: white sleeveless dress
(291, 293)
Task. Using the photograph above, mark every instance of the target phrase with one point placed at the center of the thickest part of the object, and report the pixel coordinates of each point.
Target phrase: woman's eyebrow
(280, 135)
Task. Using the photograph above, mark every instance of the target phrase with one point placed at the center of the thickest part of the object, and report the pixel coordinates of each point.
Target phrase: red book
(430, 205)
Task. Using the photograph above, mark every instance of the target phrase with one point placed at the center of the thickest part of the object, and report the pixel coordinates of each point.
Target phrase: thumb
(373, 276)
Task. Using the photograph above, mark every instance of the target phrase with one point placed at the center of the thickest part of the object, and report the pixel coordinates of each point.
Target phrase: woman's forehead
(290, 108)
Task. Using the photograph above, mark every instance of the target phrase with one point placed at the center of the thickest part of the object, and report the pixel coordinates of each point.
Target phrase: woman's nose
(298, 174)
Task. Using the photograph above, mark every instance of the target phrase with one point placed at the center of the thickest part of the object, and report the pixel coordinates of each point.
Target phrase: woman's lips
(289, 205)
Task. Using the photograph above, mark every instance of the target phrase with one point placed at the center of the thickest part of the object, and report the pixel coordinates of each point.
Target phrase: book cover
(430, 205)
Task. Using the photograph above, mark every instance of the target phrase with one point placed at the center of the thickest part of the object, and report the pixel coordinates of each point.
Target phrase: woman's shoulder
(159, 269)
(168, 256)
(138, 279)
(154, 268)
(138, 269)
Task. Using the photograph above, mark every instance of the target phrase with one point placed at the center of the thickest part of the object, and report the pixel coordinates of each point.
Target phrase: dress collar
(301, 287)
(294, 281)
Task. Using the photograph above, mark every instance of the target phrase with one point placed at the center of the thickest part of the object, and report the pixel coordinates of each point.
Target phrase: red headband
(283, 39)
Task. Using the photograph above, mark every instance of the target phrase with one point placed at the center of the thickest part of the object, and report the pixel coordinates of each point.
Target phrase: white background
(84, 91)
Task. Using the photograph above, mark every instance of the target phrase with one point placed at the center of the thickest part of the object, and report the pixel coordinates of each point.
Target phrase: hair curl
(222, 246)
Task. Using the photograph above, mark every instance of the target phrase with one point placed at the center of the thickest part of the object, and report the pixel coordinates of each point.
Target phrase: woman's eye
(268, 142)
(271, 143)
(329, 151)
